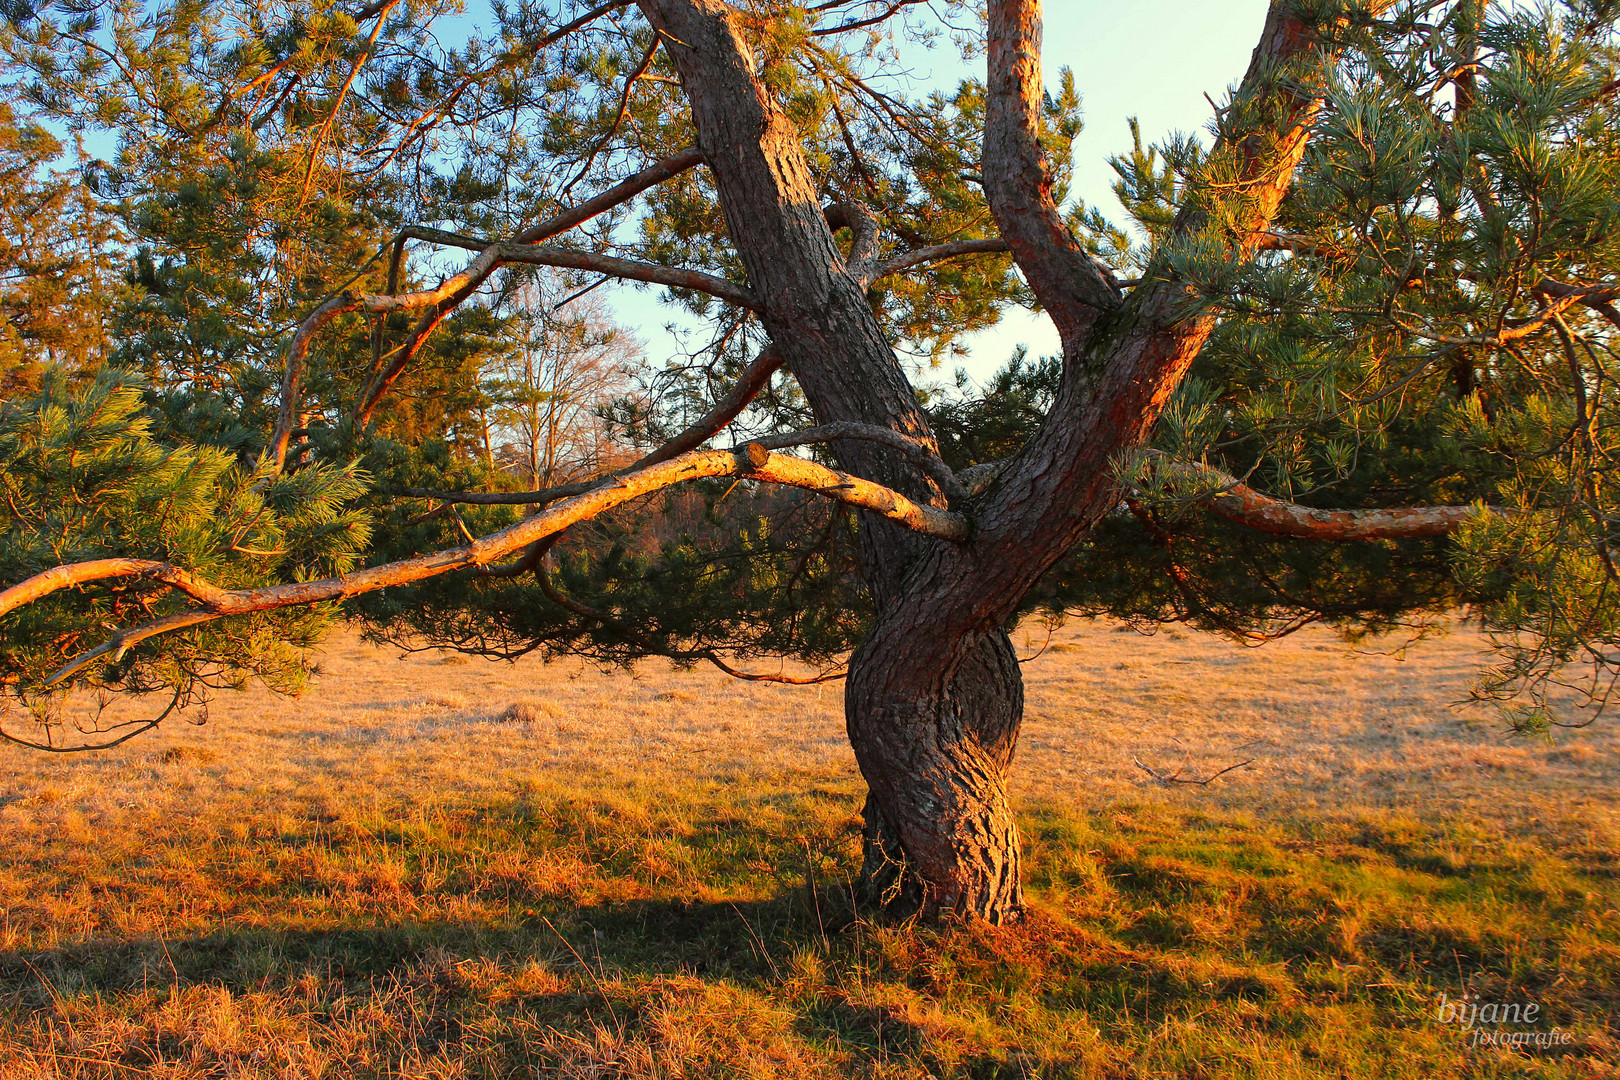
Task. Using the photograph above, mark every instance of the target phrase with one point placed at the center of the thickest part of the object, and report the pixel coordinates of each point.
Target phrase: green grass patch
(708, 932)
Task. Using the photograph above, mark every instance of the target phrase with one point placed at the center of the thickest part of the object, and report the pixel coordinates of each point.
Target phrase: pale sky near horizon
(1152, 59)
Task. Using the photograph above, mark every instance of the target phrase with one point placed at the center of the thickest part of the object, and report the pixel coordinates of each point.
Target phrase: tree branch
(751, 462)
(620, 193)
(452, 292)
(1245, 506)
(894, 264)
(652, 176)
(1237, 502)
(863, 229)
(66, 577)
(860, 24)
(1018, 183)
(138, 727)
(292, 376)
(1240, 504)
(916, 449)
(509, 59)
(754, 379)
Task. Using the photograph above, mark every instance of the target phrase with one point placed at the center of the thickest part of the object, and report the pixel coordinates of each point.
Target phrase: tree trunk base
(940, 838)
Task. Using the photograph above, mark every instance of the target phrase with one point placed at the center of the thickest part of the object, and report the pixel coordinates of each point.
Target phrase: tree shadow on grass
(1137, 933)
(668, 980)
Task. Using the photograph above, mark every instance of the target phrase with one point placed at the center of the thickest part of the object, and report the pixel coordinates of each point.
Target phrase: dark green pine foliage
(82, 478)
(1408, 336)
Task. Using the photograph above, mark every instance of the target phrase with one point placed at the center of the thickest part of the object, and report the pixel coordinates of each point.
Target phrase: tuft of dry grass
(440, 870)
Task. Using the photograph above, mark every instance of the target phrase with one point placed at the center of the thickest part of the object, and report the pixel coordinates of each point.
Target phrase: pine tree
(1349, 358)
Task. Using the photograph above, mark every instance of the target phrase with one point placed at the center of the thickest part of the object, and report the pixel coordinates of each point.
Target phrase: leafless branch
(1176, 777)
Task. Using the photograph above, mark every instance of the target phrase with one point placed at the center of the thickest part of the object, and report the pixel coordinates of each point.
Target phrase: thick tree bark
(941, 838)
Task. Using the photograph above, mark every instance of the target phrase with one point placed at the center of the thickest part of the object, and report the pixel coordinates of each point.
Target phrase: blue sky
(1152, 59)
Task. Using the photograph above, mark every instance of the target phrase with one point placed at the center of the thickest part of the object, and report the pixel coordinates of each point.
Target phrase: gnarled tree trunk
(940, 836)
(934, 698)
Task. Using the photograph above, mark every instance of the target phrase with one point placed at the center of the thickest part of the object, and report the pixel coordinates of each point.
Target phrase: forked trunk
(934, 697)
(940, 838)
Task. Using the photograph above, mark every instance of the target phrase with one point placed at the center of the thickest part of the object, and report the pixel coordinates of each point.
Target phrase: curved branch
(66, 577)
(1237, 502)
(916, 449)
(292, 376)
(1243, 505)
(754, 379)
(620, 193)
(651, 176)
(452, 292)
(752, 462)
(908, 259)
(863, 230)
(1018, 184)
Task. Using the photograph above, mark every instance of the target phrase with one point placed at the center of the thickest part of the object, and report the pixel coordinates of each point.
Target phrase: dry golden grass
(1330, 729)
(435, 866)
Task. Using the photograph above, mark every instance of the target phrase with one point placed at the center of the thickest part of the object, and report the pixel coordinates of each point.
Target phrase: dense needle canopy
(1427, 320)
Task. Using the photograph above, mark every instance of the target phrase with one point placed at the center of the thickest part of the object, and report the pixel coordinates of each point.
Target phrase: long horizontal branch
(457, 288)
(617, 195)
(1239, 503)
(908, 259)
(915, 449)
(918, 451)
(73, 574)
(751, 462)
(497, 255)
(1245, 506)
(441, 301)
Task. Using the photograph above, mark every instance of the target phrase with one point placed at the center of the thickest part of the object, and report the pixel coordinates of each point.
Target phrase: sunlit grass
(708, 932)
(394, 883)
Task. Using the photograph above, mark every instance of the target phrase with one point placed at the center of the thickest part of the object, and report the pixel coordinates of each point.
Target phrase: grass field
(436, 867)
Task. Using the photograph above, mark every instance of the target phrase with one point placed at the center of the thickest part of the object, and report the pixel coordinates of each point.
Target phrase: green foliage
(1403, 336)
(83, 478)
